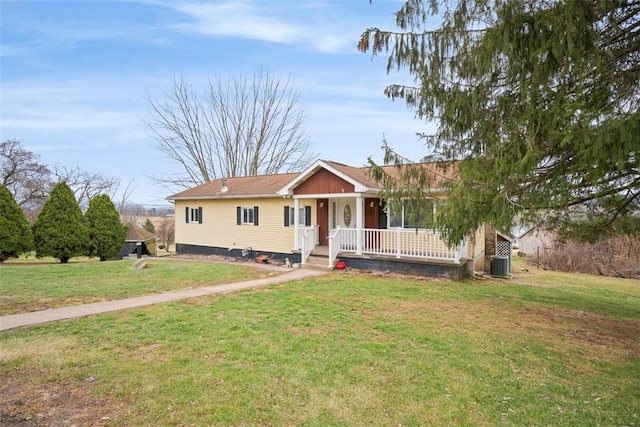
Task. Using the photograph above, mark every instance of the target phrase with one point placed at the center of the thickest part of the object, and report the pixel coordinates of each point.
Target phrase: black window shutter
(186, 216)
(307, 216)
(255, 215)
(200, 215)
(286, 216)
(239, 215)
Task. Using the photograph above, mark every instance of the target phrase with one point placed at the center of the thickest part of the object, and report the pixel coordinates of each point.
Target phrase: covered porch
(358, 226)
(338, 212)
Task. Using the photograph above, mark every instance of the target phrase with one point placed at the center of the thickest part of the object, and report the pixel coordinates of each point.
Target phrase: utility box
(500, 265)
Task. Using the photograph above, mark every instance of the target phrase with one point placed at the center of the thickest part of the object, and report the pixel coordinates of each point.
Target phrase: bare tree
(240, 127)
(85, 185)
(132, 212)
(166, 231)
(31, 182)
(24, 176)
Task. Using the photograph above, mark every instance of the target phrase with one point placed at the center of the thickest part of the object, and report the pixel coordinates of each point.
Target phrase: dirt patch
(150, 351)
(55, 404)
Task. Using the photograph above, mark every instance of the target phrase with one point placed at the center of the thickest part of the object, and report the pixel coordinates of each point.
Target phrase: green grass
(39, 287)
(349, 349)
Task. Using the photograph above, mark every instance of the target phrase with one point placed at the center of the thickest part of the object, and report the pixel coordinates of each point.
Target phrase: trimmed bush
(59, 231)
(106, 232)
(15, 231)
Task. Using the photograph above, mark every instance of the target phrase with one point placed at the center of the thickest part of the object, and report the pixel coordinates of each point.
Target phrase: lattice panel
(504, 249)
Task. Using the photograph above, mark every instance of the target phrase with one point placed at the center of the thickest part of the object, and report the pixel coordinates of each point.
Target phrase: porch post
(296, 223)
(359, 223)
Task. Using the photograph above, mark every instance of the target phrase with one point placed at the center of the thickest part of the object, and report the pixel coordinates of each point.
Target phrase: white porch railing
(401, 243)
(308, 239)
(335, 243)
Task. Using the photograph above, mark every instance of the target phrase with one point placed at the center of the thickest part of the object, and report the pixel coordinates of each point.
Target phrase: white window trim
(194, 215)
(246, 214)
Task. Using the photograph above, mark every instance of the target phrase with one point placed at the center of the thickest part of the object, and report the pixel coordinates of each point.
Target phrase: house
(326, 212)
(138, 237)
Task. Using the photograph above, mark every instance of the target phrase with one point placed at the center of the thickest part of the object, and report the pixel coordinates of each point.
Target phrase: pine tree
(106, 232)
(537, 102)
(148, 225)
(59, 230)
(15, 231)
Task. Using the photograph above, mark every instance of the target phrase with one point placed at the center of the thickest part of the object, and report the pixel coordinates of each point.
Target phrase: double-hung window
(247, 215)
(289, 216)
(193, 215)
(304, 216)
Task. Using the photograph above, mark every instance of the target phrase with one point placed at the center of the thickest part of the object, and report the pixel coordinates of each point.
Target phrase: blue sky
(75, 75)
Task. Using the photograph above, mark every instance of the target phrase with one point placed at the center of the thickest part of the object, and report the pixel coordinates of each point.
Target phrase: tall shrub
(59, 230)
(106, 232)
(15, 232)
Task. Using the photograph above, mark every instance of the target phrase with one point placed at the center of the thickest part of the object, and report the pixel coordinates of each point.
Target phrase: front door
(371, 215)
(371, 221)
(322, 206)
(344, 213)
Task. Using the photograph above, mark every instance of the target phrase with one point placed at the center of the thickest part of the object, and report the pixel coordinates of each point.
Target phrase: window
(346, 215)
(247, 216)
(289, 216)
(304, 216)
(193, 215)
(301, 216)
(413, 215)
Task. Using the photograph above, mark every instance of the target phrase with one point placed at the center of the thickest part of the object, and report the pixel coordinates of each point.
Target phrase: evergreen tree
(59, 230)
(106, 232)
(148, 225)
(15, 231)
(538, 102)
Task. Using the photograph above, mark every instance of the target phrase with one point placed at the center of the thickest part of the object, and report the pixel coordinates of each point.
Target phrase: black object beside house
(138, 236)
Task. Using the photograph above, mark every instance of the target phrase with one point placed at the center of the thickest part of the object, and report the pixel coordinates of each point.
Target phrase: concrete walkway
(27, 319)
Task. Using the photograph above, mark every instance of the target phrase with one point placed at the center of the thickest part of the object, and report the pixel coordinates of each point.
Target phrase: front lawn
(343, 349)
(41, 286)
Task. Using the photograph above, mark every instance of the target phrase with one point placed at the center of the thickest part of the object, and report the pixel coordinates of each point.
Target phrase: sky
(76, 76)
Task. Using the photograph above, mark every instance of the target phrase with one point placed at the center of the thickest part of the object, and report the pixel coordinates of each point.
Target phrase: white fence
(400, 243)
(335, 243)
(308, 240)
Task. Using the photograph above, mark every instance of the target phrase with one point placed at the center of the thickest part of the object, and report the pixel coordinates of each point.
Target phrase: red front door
(322, 206)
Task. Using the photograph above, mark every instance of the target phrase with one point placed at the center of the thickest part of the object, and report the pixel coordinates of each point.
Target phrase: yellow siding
(476, 248)
(219, 226)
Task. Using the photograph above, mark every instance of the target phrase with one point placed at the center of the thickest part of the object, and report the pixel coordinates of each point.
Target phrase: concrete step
(317, 262)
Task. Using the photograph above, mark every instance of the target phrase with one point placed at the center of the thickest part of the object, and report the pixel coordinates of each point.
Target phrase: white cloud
(296, 24)
(65, 114)
(235, 19)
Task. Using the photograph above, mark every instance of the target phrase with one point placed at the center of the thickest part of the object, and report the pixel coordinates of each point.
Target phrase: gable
(324, 182)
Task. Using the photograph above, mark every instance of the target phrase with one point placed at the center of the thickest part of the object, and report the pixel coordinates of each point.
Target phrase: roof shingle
(269, 185)
(246, 186)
